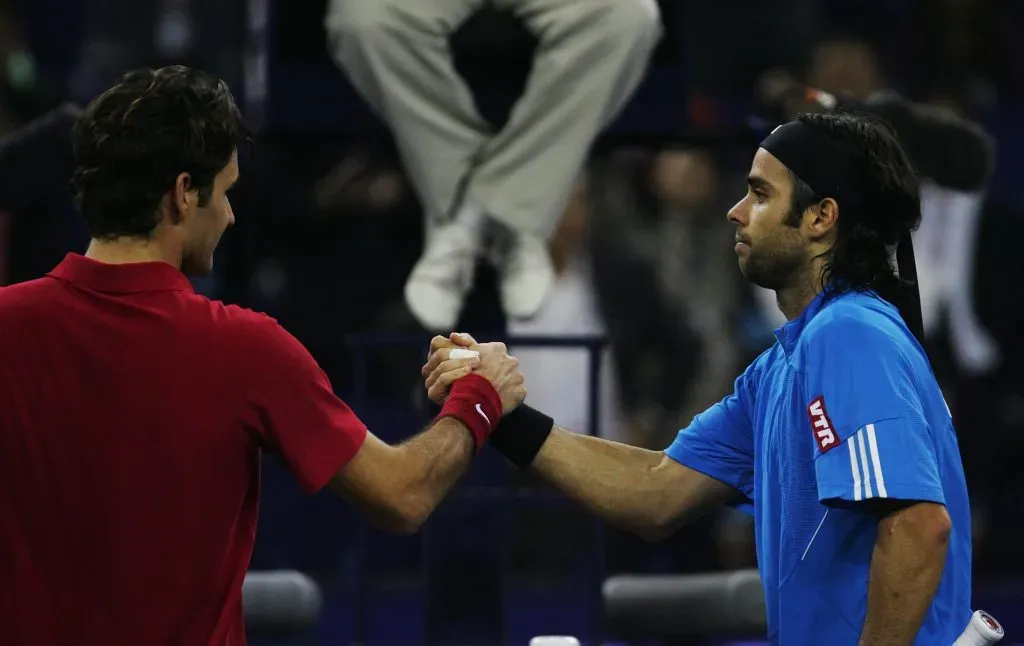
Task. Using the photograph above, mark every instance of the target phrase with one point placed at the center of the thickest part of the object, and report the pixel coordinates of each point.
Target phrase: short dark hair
(887, 207)
(133, 141)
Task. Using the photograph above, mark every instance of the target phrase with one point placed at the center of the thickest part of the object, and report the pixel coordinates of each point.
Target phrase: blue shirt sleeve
(720, 441)
(871, 436)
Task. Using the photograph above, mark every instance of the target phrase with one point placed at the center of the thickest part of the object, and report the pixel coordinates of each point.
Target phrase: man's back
(132, 413)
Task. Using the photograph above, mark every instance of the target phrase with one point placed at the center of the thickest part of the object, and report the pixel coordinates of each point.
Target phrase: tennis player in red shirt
(133, 412)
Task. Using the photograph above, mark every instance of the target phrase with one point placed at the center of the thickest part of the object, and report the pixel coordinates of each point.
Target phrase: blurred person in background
(589, 59)
(671, 297)
(666, 284)
(970, 49)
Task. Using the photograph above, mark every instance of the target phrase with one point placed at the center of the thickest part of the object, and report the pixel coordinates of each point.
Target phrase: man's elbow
(933, 524)
(403, 515)
(658, 525)
(927, 524)
(400, 519)
(940, 528)
(391, 507)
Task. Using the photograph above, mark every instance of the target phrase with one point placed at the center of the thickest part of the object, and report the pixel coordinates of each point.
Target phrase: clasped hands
(494, 364)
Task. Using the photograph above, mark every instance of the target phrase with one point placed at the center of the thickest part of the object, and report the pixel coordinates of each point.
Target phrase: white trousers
(591, 55)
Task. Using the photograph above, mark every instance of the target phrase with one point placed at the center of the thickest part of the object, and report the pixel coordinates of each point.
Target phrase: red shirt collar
(121, 278)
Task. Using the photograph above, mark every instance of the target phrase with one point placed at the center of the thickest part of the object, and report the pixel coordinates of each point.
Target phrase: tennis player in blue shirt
(836, 439)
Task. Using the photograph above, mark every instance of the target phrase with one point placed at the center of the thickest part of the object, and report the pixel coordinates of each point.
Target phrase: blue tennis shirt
(842, 408)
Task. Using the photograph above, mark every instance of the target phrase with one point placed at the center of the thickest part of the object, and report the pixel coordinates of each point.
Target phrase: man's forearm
(432, 462)
(638, 490)
(397, 487)
(906, 567)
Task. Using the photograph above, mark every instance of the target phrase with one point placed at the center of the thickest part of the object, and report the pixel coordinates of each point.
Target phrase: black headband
(813, 158)
(824, 167)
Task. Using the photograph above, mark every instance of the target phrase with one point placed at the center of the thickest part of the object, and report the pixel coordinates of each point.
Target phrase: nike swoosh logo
(480, 410)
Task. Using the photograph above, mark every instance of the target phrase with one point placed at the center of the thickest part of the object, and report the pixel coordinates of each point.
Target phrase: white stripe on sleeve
(875, 461)
(865, 468)
(854, 466)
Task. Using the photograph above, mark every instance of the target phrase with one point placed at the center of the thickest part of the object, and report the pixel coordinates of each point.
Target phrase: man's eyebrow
(755, 182)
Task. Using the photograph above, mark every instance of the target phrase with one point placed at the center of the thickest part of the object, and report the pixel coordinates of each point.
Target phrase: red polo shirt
(132, 417)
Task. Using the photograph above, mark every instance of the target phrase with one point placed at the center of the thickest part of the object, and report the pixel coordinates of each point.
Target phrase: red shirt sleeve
(292, 407)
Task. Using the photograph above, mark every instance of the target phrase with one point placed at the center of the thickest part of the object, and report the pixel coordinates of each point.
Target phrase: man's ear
(823, 219)
(182, 196)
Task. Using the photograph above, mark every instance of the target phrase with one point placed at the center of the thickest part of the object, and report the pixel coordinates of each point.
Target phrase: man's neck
(120, 251)
(793, 300)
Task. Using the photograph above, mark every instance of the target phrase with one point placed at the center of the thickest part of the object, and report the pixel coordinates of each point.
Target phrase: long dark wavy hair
(871, 223)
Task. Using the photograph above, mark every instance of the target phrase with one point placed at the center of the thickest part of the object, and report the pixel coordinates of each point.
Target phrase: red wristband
(474, 402)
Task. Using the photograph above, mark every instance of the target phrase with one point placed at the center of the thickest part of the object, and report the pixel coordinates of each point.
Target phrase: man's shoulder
(35, 290)
(32, 296)
(854, 318)
(235, 323)
(252, 340)
(851, 328)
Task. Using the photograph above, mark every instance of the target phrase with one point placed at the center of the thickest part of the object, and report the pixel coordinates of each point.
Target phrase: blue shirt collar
(789, 333)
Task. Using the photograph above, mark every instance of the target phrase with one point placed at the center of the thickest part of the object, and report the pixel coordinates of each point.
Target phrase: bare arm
(642, 491)
(398, 487)
(906, 566)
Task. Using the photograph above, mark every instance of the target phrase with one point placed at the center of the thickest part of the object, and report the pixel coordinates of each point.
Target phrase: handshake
(491, 362)
(480, 385)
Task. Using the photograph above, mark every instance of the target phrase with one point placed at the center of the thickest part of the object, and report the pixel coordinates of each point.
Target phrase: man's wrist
(521, 434)
(476, 404)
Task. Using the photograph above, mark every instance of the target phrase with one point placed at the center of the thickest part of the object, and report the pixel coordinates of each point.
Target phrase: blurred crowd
(340, 208)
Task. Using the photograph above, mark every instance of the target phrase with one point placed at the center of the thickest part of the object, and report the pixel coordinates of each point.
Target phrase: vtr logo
(824, 433)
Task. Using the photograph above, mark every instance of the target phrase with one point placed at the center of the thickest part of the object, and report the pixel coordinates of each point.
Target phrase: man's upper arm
(720, 441)
(291, 406)
(871, 437)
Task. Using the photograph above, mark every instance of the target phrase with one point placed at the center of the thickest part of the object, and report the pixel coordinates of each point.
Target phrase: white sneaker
(526, 276)
(438, 284)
